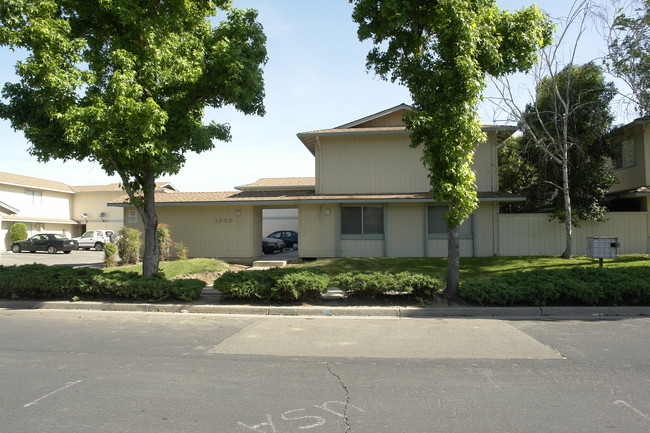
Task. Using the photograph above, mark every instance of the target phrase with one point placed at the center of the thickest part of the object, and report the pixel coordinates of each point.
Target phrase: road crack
(348, 427)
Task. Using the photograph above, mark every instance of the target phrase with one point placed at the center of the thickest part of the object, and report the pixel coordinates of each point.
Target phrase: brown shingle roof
(296, 197)
(115, 187)
(33, 182)
(279, 183)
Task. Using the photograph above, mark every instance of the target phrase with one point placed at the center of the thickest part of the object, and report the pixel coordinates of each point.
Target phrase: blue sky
(315, 79)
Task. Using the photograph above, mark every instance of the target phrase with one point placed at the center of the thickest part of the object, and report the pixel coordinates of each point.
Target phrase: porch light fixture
(237, 212)
(326, 211)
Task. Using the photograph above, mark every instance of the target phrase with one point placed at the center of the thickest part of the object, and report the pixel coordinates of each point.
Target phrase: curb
(323, 311)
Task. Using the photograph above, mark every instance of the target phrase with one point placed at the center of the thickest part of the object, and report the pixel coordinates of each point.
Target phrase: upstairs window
(626, 155)
(35, 197)
(363, 221)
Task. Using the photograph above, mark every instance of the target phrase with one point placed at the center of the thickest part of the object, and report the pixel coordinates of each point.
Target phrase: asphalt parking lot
(77, 258)
(94, 258)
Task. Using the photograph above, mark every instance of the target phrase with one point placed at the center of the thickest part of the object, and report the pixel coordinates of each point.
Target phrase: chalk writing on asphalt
(303, 418)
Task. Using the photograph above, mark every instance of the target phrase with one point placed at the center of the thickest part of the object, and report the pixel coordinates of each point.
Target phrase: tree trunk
(568, 227)
(453, 263)
(151, 261)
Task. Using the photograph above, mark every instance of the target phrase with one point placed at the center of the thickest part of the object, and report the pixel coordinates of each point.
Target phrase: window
(626, 156)
(437, 227)
(365, 221)
(36, 197)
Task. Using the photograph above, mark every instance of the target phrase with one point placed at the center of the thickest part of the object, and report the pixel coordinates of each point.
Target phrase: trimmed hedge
(276, 284)
(575, 286)
(62, 282)
(373, 284)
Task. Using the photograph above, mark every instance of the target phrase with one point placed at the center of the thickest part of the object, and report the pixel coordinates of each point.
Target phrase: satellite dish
(84, 215)
(102, 214)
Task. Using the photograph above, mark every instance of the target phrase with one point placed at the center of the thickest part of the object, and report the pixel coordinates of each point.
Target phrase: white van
(94, 239)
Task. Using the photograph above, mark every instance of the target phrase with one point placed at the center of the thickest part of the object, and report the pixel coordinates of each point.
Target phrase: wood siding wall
(385, 163)
(534, 234)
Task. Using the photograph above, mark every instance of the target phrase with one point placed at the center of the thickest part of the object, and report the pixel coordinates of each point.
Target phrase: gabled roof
(279, 183)
(374, 125)
(33, 182)
(9, 210)
(116, 187)
(358, 122)
(52, 185)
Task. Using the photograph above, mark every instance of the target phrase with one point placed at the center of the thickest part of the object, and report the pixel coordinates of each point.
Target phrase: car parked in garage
(272, 245)
(50, 242)
(289, 237)
(95, 239)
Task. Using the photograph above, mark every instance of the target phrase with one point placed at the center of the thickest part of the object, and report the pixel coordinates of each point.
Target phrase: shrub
(574, 286)
(128, 245)
(181, 250)
(18, 232)
(61, 282)
(164, 241)
(277, 284)
(373, 284)
(110, 255)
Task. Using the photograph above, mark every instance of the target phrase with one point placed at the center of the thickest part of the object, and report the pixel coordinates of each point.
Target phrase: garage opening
(281, 224)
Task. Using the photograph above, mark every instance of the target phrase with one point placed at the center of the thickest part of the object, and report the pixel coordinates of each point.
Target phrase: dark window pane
(351, 220)
(436, 221)
(373, 220)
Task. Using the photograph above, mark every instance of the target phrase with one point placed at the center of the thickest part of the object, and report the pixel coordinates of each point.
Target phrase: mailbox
(602, 248)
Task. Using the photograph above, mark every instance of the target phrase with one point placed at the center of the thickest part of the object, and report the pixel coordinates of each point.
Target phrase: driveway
(75, 258)
(290, 255)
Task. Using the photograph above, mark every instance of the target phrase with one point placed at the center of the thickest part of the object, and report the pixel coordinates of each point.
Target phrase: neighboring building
(632, 166)
(54, 207)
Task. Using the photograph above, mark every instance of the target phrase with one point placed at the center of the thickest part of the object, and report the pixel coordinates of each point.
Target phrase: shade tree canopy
(442, 52)
(124, 83)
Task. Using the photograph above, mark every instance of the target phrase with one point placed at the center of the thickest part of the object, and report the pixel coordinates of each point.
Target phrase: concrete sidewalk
(210, 303)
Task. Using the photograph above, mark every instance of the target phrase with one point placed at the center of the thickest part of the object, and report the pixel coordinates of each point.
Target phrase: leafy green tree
(18, 232)
(516, 173)
(442, 51)
(124, 83)
(565, 137)
(629, 53)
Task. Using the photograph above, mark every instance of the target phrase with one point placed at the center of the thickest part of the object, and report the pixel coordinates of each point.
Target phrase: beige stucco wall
(405, 227)
(534, 234)
(385, 163)
(93, 203)
(53, 204)
(318, 230)
(213, 231)
(486, 229)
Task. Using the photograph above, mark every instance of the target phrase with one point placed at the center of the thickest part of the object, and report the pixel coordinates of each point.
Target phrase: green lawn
(179, 267)
(470, 267)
